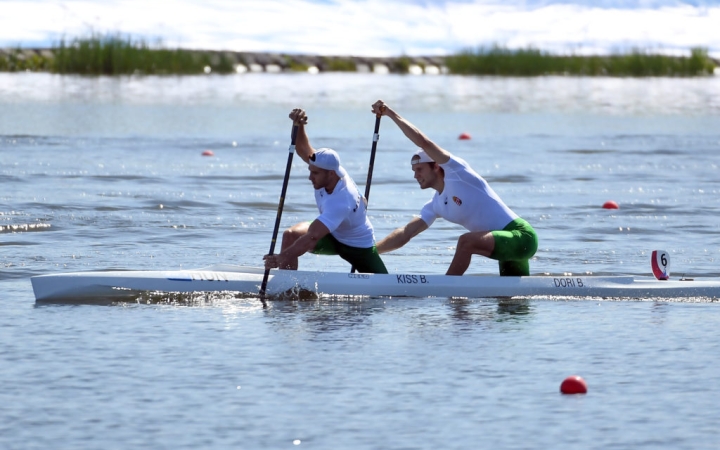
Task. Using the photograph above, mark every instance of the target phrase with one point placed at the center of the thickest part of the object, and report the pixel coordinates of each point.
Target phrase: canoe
(86, 286)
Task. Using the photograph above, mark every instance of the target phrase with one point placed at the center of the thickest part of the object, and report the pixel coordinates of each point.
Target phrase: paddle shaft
(281, 203)
(376, 136)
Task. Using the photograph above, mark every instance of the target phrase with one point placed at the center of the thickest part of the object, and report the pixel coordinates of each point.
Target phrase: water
(103, 173)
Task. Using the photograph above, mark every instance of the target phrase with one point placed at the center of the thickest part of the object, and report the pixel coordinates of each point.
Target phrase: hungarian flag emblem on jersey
(457, 201)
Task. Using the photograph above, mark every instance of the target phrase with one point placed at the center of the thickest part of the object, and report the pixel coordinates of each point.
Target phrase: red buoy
(464, 137)
(573, 385)
(208, 153)
(611, 205)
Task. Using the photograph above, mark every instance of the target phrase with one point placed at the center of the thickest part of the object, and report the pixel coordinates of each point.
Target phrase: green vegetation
(400, 65)
(339, 65)
(19, 60)
(115, 55)
(532, 62)
(296, 66)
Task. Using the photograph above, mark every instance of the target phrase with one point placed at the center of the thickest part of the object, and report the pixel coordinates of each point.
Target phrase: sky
(373, 27)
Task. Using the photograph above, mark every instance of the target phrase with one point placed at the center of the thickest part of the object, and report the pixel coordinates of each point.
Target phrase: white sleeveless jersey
(467, 200)
(344, 213)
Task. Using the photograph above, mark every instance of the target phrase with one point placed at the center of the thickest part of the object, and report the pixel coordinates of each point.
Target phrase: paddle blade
(660, 261)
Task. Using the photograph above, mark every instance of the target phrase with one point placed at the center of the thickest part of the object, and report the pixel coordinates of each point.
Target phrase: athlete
(342, 228)
(465, 198)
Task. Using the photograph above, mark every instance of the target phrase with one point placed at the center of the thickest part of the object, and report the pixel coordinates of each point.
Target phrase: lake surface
(108, 173)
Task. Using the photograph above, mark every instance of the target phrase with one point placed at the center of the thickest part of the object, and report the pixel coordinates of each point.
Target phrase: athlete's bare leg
(472, 243)
(291, 235)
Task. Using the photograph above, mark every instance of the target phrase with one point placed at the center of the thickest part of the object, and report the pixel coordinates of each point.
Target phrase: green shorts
(514, 246)
(364, 260)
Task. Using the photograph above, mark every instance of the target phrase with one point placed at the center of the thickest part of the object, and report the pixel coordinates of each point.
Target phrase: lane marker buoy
(611, 205)
(660, 262)
(573, 385)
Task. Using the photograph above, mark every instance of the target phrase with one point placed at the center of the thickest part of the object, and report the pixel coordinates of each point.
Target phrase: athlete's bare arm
(434, 151)
(401, 236)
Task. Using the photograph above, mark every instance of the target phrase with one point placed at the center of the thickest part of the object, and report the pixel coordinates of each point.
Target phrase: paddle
(376, 136)
(291, 150)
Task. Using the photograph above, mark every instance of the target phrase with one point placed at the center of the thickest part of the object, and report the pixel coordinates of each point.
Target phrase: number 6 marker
(660, 261)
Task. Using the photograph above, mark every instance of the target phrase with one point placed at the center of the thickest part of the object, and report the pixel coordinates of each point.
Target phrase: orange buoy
(208, 153)
(573, 385)
(464, 137)
(611, 205)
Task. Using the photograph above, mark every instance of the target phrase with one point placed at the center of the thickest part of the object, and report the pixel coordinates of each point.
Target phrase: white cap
(420, 157)
(327, 159)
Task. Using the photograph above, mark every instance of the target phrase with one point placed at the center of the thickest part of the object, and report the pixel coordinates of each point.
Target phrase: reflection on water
(327, 316)
(514, 307)
(498, 310)
(323, 316)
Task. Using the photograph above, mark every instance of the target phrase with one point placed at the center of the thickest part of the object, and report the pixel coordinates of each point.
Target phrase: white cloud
(368, 27)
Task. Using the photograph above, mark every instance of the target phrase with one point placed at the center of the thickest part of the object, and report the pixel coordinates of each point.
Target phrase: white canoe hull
(86, 286)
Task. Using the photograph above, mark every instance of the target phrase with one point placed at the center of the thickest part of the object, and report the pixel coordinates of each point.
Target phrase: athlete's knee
(478, 243)
(288, 236)
(465, 241)
(292, 234)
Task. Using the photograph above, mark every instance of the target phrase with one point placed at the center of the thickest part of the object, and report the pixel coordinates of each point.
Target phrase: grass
(532, 62)
(116, 55)
(339, 65)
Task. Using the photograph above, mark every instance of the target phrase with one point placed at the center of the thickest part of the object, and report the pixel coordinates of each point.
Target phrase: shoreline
(259, 62)
(228, 62)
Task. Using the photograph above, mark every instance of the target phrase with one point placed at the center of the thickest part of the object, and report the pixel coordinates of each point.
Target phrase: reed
(115, 55)
(339, 65)
(533, 62)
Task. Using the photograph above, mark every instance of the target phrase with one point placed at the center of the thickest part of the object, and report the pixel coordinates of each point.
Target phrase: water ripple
(18, 228)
